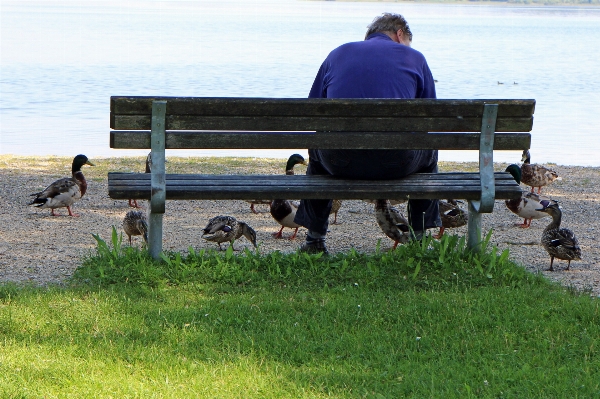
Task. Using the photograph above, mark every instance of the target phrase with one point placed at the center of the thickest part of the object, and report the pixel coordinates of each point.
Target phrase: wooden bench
(160, 123)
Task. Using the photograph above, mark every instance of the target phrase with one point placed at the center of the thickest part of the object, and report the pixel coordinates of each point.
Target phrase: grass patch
(427, 320)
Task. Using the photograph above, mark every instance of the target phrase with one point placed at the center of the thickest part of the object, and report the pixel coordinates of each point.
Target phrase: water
(61, 61)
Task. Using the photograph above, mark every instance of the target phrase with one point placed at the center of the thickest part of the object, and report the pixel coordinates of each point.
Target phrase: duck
(64, 192)
(335, 208)
(527, 206)
(135, 223)
(132, 202)
(392, 222)
(535, 175)
(225, 228)
(452, 216)
(559, 243)
(293, 160)
(282, 210)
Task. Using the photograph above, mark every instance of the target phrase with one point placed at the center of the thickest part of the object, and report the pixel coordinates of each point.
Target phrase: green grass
(427, 320)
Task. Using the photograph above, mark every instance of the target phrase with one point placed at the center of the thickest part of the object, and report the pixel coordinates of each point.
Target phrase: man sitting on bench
(382, 66)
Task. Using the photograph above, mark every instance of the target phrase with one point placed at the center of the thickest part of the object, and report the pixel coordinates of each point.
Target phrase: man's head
(393, 25)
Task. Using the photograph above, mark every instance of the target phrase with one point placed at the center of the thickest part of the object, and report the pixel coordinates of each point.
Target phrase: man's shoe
(314, 247)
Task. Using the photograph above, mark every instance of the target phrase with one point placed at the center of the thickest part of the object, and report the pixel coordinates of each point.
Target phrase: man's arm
(318, 89)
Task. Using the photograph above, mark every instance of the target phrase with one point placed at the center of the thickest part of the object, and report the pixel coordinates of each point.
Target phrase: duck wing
(565, 238)
(62, 188)
(218, 223)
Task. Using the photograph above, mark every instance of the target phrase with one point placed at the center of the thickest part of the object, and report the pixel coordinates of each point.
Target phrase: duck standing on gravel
(335, 208)
(136, 224)
(392, 222)
(452, 216)
(559, 243)
(227, 228)
(64, 192)
(536, 175)
(132, 202)
(527, 206)
(282, 210)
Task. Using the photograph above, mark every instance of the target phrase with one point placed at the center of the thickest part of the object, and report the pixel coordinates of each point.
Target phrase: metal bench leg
(486, 172)
(158, 181)
(474, 226)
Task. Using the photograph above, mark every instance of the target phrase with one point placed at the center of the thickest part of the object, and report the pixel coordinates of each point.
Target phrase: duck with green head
(529, 204)
(64, 192)
(282, 210)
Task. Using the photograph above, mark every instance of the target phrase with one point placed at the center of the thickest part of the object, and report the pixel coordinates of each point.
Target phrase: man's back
(375, 68)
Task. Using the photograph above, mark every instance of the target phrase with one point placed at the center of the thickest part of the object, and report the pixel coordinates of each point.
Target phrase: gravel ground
(36, 247)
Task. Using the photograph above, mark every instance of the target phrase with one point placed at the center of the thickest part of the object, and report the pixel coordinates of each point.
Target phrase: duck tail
(38, 201)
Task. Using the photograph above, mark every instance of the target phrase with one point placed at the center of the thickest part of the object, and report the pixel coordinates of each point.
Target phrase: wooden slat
(321, 140)
(184, 187)
(124, 105)
(337, 124)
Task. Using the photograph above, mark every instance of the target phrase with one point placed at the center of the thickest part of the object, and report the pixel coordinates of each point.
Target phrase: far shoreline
(495, 3)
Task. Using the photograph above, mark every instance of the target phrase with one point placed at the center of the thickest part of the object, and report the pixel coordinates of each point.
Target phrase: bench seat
(247, 187)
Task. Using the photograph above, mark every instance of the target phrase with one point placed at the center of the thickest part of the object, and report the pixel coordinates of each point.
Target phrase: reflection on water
(61, 63)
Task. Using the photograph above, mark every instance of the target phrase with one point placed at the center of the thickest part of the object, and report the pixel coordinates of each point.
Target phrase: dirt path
(39, 248)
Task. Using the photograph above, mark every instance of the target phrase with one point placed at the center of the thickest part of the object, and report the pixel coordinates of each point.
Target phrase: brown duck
(535, 175)
(559, 243)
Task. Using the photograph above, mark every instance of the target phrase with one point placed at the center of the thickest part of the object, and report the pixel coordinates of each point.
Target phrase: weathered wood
(345, 107)
(339, 140)
(340, 124)
(268, 123)
(418, 186)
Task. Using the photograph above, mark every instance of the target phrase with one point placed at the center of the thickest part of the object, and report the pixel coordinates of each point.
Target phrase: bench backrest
(270, 123)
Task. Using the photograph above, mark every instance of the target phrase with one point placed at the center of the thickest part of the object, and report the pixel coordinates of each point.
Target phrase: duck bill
(89, 163)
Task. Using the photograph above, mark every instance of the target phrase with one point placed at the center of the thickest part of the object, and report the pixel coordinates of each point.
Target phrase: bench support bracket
(158, 180)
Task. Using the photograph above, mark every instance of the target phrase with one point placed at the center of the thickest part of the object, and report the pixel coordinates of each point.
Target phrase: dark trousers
(371, 165)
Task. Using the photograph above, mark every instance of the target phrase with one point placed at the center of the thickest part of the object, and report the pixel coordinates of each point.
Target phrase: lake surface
(61, 61)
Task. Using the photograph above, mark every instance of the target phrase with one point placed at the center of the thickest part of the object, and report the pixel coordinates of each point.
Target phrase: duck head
(294, 160)
(249, 233)
(515, 171)
(550, 207)
(79, 161)
(149, 163)
(526, 157)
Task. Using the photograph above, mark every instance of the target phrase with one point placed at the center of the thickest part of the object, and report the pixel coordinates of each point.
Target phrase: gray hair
(389, 22)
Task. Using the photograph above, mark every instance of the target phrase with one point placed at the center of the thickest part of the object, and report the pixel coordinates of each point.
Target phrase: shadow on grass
(429, 319)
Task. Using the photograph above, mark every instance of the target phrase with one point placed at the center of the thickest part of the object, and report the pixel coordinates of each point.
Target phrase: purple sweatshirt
(377, 67)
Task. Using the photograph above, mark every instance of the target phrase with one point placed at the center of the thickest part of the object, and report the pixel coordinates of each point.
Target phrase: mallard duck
(527, 206)
(392, 222)
(559, 243)
(295, 159)
(64, 192)
(227, 228)
(335, 208)
(132, 202)
(284, 211)
(452, 216)
(136, 224)
(536, 175)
